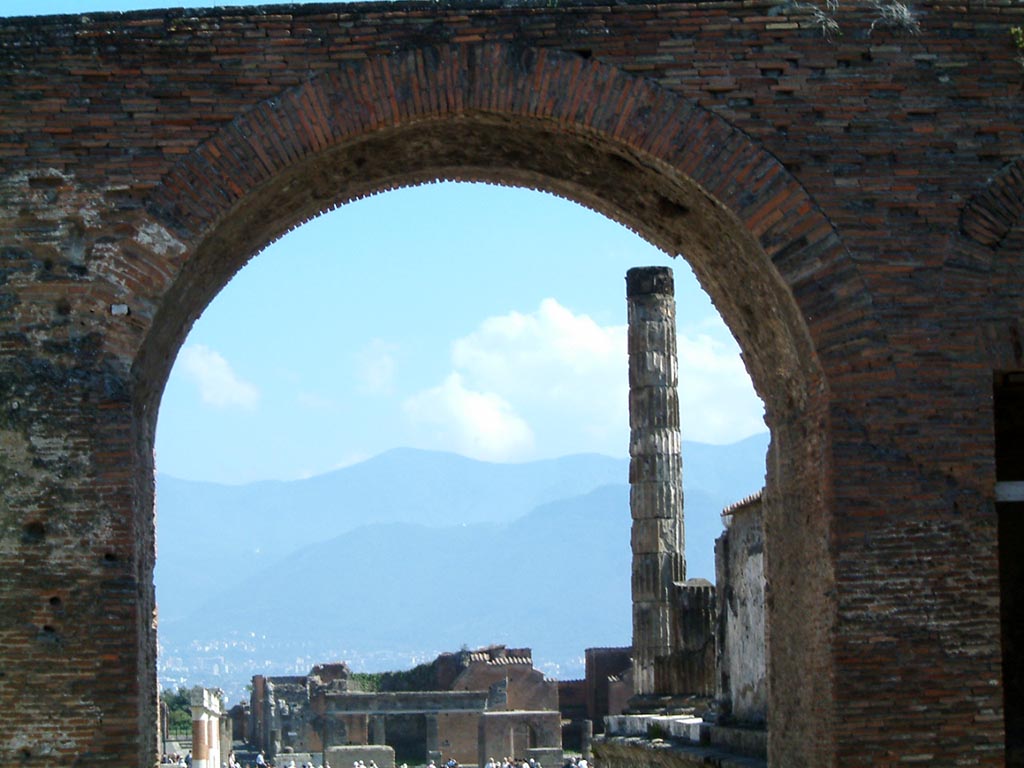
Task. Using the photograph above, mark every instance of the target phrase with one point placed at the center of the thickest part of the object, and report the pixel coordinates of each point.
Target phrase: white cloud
(717, 402)
(478, 424)
(218, 384)
(549, 353)
(375, 367)
(564, 379)
(564, 373)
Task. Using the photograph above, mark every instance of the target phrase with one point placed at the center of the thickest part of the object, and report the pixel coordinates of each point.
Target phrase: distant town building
(464, 706)
(604, 691)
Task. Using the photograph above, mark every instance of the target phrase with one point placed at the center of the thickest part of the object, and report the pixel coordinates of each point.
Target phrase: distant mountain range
(412, 552)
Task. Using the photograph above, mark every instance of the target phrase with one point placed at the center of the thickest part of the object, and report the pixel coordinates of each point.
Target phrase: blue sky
(478, 319)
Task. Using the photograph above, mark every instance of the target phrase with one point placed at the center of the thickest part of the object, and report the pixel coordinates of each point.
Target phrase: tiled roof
(504, 660)
(748, 501)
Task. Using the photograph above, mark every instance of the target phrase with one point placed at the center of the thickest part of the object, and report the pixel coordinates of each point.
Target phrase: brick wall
(853, 208)
(457, 736)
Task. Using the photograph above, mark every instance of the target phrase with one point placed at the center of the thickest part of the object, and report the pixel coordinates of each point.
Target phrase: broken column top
(641, 281)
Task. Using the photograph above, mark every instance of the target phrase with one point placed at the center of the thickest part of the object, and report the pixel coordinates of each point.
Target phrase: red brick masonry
(853, 206)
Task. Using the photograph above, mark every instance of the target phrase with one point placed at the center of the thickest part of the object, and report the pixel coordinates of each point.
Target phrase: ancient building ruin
(606, 689)
(853, 204)
(715, 709)
(463, 705)
(211, 740)
(742, 683)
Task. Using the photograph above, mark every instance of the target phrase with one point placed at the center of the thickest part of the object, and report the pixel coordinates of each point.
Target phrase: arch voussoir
(993, 213)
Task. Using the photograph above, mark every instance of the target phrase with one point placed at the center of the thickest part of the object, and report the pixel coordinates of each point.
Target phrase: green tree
(179, 708)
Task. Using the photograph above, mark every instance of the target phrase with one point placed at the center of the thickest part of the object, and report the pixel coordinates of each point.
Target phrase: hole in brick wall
(110, 557)
(55, 601)
(33, 533)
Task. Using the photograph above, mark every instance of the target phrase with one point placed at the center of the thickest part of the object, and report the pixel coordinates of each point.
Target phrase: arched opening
(724, 214)
(377, 607)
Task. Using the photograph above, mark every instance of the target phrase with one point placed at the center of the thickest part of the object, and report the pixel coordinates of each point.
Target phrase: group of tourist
(185, 761)
(511, 762)
(262, 762)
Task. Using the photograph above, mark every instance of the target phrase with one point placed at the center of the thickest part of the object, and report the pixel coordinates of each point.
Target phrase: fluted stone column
(655, 468)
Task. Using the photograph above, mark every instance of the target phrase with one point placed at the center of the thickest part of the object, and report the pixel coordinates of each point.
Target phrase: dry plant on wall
(825, 20)
(888, 13)
(893, 13)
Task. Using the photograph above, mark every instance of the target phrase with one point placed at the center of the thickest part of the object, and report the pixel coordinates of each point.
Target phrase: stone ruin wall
(289, 711)
(527, 688)
(740, 579)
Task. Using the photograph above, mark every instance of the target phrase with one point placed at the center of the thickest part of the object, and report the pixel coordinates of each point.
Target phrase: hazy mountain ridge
(248, 526)
(468, 584)
(419, 551)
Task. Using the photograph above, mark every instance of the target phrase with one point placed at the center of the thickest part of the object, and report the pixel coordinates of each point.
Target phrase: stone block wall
(690, 669)
(520, 735)
(740, 578)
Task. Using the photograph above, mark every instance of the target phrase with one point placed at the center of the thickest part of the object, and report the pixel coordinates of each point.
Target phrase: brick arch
(677, 174)
(990, 241)
(701, 166)
(994, 214)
